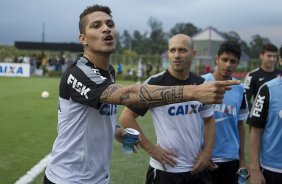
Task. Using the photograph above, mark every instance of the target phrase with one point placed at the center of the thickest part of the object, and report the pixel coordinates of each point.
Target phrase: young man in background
(229, 152)
(266, 133)
(266, 72)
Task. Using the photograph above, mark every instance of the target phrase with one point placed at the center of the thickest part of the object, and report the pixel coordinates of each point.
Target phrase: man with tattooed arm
(88, 98)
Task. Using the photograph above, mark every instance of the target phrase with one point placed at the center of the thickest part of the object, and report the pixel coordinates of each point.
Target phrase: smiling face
(100, 33)
(268, 60)
(180, 53)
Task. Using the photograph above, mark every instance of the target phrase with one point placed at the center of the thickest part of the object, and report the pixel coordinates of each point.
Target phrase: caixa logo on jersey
(223, 108)
(78, 86)
(184, 109)
(108, 109)
(258, 106)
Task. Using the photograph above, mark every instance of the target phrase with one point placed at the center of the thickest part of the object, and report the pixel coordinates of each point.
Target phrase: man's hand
(257, 177)
(201, 163)
(212, 166)
(119, 134)
(163, 156)
(212, 92)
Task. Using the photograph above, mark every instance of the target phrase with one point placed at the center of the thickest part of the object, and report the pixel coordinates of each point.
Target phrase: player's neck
(267, 69)
(98, 60)
(183, 75)
(219, 77)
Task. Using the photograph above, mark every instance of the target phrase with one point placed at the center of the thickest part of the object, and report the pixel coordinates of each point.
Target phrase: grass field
(28, 126)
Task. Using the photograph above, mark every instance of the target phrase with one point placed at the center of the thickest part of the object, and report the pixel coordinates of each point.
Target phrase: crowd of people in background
(138, 72)
(40, 64)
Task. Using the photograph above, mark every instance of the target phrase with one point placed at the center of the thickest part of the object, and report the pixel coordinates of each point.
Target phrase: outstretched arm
(148, 96)
(128, 120)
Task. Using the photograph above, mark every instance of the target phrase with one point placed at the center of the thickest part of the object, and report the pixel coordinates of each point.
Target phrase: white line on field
(33, 172)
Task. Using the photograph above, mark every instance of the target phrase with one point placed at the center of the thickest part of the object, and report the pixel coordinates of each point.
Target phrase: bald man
(178, 157)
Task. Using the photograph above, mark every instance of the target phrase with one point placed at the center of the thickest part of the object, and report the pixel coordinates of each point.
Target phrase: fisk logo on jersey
(78, 86)
(223, 108)
(184, 109)
(108, 109)
(258, 106)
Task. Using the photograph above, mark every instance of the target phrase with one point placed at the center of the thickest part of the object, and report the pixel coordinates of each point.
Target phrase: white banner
(15, 69)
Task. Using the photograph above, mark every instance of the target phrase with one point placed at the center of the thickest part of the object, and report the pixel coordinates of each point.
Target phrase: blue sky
(23, 20)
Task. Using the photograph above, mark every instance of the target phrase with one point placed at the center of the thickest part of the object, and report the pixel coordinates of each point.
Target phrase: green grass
(127, 169)
(28, 126)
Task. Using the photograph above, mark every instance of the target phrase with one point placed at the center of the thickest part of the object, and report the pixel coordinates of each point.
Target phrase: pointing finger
(229, 82)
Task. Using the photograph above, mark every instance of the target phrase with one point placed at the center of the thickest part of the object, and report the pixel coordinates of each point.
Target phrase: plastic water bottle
(129, 140)
(243, 174)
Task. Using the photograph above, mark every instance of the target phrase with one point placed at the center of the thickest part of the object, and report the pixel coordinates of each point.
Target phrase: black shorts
(272, 177)
(226, 172)
(47, 181)
(155, 176)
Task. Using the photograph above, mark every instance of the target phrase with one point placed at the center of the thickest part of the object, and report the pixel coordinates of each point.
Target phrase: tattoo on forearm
(143, 95)
(123, 98)
(160, 96)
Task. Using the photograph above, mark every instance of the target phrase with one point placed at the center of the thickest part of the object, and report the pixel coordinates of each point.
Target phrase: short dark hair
(88, 10)
(230, 46)
(269, 47)
(280, 51)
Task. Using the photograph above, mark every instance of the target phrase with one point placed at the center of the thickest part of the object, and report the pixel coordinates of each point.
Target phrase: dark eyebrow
(94, 22)
(98, 21)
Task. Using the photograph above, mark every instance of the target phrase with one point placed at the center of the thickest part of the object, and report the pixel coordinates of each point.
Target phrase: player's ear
(216, 60)
(194, 53)
(82, 39)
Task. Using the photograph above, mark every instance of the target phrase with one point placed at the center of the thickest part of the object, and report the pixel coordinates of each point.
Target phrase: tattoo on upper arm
(108, 92)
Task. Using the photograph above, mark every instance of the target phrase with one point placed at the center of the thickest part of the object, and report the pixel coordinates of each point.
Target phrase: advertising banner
(15, 69)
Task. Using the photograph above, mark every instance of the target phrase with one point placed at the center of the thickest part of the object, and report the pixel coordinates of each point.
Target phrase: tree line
(154, 42)
(150, 44)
